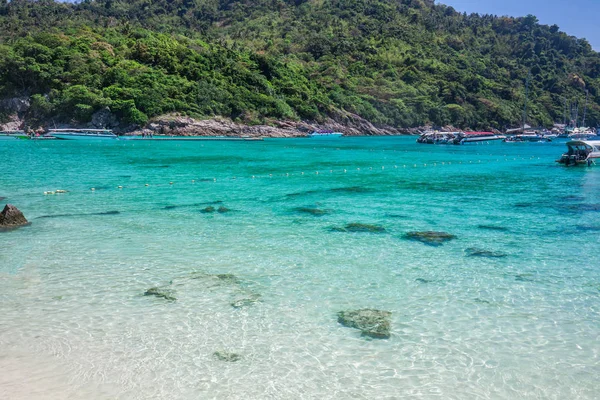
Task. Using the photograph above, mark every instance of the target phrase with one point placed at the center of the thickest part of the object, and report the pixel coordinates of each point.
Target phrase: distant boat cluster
(583, 143)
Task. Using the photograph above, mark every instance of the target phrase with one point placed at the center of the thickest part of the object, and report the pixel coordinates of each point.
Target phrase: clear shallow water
(74, 322)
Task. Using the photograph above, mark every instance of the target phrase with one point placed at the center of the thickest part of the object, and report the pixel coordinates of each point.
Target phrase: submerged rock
(358, 227)
(246, 301)
(477, 252)
(2, 198)
(223, 209)
(421, 280)
(227, 357)
(162, 293)
(372, 323)
(311, 211)
(229, 278)
(351, 189)
(431, 238)
(524, 278)
(12, 217)
(493, 228)
(208, 210)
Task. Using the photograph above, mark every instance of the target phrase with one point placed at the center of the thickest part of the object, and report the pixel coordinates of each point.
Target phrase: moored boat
(528, 137)
(581, 152)
(82, 134)
(472, 137)
(11, 135)
(435, 137)
(582, 134)
(325, 134)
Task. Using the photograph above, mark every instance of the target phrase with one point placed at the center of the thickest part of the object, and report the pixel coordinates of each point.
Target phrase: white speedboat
(325, 134)
(581, 152)
(82, 134)
(435, 137)
(582, 134)
(472, 137)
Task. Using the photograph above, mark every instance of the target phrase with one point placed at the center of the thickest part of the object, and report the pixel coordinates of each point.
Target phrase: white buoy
(149, 185)
(120, 187)
(93, 189)
(170, 183)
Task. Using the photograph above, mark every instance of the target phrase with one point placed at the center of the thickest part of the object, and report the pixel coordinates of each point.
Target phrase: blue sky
(579, 18)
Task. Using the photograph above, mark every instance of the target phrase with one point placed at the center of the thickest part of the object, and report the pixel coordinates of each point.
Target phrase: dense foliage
(393, 62)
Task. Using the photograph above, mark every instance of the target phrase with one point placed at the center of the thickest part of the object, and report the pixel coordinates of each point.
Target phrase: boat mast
(585, 109)
(526, 98)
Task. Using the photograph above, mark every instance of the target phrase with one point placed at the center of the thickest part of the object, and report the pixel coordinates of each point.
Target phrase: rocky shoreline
(177, 125)
(16, 110)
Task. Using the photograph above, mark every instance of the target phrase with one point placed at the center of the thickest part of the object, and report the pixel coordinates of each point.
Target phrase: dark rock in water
(586, 207)
(246, 301)
(80, 215)
(312, 211)
(11, 217)
(305, 193)
(229, 278)
(493, 228)
(162, 293)
(208, 210)
(223, 210)
(107, 213)
(358, 227)
(170, 207)
(400, 216)
(351, 189)
(372, 323)
(477, 252)
(524, 278)
(431, 238)
(227, 357)
(421, 280)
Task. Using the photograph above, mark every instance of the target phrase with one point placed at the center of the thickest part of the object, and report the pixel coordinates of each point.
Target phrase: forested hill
(393, 62)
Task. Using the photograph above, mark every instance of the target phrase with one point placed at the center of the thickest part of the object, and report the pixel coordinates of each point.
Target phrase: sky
(579, 18)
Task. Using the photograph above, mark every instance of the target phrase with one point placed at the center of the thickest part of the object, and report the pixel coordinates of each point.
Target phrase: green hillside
(401, 63)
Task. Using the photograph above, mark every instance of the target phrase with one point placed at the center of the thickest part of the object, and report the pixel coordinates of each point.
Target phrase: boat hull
(69, 136)
(326, 135)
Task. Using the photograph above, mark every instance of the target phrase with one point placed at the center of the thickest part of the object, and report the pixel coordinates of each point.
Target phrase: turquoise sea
(519, 318)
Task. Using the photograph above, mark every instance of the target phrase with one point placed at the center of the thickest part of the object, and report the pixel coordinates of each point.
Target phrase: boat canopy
(585, 143)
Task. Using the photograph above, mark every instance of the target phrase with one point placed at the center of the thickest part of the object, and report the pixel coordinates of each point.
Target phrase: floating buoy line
(387, 169)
